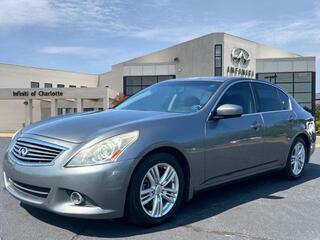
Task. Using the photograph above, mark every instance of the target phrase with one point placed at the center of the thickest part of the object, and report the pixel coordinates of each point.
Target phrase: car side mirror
(227, 111)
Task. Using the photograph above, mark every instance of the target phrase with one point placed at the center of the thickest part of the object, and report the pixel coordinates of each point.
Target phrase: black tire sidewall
(134, 210)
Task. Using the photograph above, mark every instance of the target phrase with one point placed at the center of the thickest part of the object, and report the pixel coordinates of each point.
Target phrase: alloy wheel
(298, 157)
(159, 190)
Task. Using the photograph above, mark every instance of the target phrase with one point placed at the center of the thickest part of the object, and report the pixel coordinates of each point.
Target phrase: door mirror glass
(227, 111)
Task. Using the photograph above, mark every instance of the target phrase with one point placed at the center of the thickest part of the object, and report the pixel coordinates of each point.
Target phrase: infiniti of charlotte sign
(36, 93)
(240, 58)
(56, 93)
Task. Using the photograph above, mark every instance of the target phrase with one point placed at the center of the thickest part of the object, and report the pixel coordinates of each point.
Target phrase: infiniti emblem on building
(239, 55)
(23, 151)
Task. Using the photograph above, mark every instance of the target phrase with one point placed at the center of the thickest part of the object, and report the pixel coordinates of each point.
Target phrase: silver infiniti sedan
(155, 150)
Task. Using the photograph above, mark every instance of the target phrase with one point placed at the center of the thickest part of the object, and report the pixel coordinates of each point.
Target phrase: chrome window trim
(277, 87)
(252, 92)
(13, 159)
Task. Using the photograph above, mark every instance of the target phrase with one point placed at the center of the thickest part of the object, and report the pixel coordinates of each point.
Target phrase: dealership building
(215, 54)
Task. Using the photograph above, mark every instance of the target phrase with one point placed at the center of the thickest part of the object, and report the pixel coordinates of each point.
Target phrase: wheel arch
(181, 158)
(307, 141)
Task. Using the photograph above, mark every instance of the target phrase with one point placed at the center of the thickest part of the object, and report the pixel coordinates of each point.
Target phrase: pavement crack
(225, 233)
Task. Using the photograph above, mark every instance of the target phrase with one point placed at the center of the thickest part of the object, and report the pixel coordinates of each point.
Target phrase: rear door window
(268, 98)
(284, 99)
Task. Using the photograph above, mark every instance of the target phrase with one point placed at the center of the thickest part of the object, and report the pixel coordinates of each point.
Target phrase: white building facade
(218, 54)
(215, 54)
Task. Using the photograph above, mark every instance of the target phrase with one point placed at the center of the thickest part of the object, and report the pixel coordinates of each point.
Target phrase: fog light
(76, 198)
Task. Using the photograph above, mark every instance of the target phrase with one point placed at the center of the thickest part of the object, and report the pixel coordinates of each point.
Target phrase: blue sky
(91, 35)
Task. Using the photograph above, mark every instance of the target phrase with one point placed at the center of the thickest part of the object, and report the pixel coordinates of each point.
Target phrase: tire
(141, 182)
(292, 171)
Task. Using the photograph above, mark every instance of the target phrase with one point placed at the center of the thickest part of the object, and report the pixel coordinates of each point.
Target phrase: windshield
(175, 96)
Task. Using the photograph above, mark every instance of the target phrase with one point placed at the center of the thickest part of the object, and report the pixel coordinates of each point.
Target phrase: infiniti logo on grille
(23, 151)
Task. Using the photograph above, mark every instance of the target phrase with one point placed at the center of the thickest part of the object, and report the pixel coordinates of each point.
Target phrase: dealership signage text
(37, 93)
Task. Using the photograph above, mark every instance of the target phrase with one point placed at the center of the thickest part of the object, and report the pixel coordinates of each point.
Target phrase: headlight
(105, 151)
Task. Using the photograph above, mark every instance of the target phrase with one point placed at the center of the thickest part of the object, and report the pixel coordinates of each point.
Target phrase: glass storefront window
(303, 87)
(300, 85)
(163, 78)
(218, 50)
(149, 80)
(269, 77)
(303, 77)
(284, 78)
(218, 60)
(303, 97)
(132, 90)
(134, 80)
(286, 86)
(133, 84)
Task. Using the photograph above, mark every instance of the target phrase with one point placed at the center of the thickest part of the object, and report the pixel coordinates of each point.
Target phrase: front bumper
(104, 187)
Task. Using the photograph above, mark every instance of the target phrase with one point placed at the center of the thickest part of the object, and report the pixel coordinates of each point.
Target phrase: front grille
(33, 190)
(30, 151)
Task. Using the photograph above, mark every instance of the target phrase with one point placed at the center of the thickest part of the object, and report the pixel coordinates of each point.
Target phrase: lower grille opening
(30, 189)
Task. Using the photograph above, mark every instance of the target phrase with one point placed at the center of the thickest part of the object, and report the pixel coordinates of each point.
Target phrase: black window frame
(72, 86)
(48, 85)
(37, 83)
(218, 70)
(141, 85)
(60, 86)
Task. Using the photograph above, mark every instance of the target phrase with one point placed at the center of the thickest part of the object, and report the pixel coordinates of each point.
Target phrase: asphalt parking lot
(262, 208)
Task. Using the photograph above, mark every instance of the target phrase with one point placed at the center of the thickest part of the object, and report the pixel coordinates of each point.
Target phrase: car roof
(216, 79)
(227, 80)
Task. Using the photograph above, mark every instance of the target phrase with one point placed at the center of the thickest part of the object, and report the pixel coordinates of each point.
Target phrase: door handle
(256, 125)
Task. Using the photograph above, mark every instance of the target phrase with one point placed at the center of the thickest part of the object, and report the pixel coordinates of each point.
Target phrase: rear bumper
(48, 187)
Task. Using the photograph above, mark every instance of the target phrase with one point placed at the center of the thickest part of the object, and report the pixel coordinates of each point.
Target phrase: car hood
(78, 128)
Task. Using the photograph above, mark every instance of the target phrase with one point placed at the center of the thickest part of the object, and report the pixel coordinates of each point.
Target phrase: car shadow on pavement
(204, 205)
